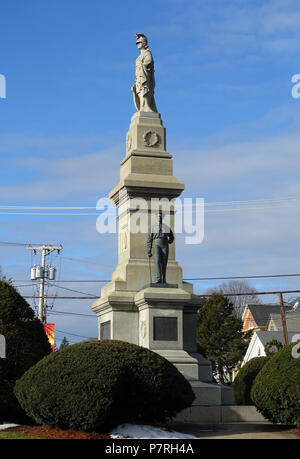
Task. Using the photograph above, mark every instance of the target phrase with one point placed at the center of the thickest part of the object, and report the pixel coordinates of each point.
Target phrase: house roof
(292, 319)
(261, 312)
(266, 336)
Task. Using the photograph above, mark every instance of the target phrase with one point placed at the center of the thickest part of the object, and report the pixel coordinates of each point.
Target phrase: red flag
(50, 332)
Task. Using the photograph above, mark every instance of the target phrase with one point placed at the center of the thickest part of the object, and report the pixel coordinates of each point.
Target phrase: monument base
(163, 320)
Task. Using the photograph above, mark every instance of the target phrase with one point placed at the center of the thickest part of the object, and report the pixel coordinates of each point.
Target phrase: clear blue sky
(223, 72)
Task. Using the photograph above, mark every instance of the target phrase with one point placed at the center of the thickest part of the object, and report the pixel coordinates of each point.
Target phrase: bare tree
(246, 294)
(4, 278)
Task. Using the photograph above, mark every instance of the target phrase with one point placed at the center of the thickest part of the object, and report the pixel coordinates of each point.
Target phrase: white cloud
(233, 28)
(17, 143)
(263, 167)
(66, 177)
(246, 161)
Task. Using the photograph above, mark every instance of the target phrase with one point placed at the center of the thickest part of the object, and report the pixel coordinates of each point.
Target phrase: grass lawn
(47, 432)
(16, 436)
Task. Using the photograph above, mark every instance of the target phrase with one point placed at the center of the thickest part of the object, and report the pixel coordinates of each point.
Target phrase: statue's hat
(140, 38)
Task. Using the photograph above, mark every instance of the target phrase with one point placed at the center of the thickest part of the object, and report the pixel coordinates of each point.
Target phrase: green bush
(243, 382)
(96, 385)
(276, 389)
(26, 344)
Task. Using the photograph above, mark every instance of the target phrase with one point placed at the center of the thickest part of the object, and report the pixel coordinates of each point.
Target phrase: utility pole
(46, 250)
(283, 321)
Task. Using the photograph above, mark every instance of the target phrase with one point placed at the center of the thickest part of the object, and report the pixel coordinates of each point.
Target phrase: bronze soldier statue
(159, 238)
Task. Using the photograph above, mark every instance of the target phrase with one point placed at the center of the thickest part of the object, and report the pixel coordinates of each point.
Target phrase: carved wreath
(151, 139)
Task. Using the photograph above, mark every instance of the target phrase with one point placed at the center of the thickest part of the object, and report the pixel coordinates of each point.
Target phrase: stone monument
(160, 315)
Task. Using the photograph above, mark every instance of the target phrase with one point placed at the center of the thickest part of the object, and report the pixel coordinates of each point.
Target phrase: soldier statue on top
(143, 89)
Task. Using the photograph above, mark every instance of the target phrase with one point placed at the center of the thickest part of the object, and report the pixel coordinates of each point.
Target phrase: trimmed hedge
(26, 344)
(96, 385)
(244, 380)
(276, 389)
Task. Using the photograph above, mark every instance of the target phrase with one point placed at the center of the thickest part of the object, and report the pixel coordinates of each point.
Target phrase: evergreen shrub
(276, 389)
(244, 380)
(26, 344)
(96, 385)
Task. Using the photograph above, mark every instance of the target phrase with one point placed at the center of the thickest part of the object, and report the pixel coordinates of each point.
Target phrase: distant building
(259, 339)
(264, 320)
(256, 316)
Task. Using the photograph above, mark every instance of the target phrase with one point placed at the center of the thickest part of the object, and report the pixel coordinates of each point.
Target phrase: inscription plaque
(165, 329)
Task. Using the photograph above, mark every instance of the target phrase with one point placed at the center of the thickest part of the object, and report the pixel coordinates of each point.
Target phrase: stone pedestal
(132, 309)
(146, 172)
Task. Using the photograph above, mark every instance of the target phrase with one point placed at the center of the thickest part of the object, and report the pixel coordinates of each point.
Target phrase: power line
(204, 295)
(8, 297)
(49, 207)
(8, 210)
(26, 285)
(81, 260)
(21, 244)
(185, 278)
(72, 280)
(250, 208)
(71, 290)
(94, 214)
(62, 313)
(72, 334)
(254, 293)
(216, 203)
(252, 201)
(242, 277)
(72, 314)
(50, 214)
(67, 297)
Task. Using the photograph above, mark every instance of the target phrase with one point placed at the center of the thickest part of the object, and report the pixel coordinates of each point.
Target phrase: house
(259, 339)
(292, 319)
(256, 316)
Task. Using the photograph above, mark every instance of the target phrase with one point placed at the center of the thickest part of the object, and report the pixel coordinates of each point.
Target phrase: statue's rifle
(150, 270)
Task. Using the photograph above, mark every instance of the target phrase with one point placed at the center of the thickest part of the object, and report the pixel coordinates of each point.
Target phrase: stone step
(212, 394)
(206, 414)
